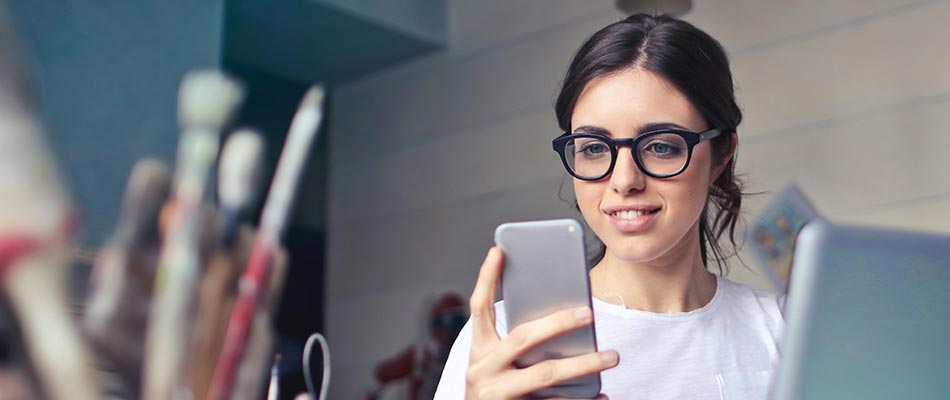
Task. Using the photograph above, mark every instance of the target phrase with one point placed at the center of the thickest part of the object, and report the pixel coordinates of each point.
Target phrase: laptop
(868, 316)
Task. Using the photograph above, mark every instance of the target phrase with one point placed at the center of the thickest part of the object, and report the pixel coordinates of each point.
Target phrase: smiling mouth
(632, 214)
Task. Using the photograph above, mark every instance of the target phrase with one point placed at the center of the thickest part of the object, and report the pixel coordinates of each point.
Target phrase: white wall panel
(476, 25)
(466, 164)
(745, 25)
(858, 164)
(877, 64)
(930, 214)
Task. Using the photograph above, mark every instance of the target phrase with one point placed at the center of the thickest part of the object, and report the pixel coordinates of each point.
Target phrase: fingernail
(609, 356)
(582, 313)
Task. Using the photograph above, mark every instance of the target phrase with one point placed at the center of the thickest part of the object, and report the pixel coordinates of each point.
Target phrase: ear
(720, 166)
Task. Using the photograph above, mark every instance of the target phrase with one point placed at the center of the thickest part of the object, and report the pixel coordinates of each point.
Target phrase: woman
(650, 118)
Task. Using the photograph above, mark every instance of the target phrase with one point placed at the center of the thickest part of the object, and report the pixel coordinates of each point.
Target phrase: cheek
(701, 167)
(692, 187)
(587, 195)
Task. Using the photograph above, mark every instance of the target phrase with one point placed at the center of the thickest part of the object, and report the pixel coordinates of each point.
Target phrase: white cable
(308, 379)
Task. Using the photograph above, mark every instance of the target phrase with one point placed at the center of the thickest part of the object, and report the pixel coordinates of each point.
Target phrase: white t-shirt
(728, 349)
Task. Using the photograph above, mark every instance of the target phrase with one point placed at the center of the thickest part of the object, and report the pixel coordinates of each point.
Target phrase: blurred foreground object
(774, 232)
(238, 175)
(253, 283)
(37, 222)
(174, 257)
(867, 316)
(123, 275)
(206, 102)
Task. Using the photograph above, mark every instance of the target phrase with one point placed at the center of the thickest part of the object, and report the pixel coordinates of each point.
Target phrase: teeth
(629, 214)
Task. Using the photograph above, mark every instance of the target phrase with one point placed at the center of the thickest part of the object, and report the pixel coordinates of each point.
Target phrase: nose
(626, 177)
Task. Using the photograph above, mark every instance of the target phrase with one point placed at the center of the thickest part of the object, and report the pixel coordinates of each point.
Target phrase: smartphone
(544, 272)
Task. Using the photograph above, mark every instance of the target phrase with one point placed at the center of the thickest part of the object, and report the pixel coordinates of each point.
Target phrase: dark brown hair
(694, 63)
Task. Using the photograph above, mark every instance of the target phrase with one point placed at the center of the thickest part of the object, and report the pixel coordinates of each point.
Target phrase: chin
(634, 252)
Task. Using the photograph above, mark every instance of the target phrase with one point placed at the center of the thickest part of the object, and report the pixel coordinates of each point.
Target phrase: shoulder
(757, 304)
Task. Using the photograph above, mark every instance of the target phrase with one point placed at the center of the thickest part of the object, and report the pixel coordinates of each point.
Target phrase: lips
(632, 219)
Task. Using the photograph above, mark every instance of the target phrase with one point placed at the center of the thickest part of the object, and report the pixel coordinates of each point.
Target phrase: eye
(661, 148)
(594, 148)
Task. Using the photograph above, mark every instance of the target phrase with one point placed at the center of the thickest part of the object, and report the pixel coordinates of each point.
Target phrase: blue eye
(661, 148)
(666, 148)
(594, 149)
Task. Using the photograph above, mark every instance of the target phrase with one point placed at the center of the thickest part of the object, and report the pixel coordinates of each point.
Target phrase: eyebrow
(593, 129)
(653, 126)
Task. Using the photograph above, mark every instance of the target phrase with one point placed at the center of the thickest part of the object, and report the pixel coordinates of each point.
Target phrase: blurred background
(439, 122)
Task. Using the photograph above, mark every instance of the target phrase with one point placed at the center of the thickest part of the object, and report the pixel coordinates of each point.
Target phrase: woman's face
(639, 218)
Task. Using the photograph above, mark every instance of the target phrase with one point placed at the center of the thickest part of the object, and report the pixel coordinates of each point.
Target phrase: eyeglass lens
(659, 154)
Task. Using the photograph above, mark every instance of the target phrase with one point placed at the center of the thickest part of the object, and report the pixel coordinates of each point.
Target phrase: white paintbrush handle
(303, 131)
(36, 287)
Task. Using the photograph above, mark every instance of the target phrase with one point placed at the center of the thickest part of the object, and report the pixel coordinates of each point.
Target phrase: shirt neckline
(621, 311)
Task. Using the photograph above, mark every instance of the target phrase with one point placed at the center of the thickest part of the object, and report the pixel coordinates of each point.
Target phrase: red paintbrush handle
(14, 247)
(242, 317)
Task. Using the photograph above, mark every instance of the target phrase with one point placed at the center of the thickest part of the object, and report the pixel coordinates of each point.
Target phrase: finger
(530, 334)
(482, 302)
(552, 372)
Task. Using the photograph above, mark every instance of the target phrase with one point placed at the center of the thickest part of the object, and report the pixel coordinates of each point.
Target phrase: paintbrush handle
(256, 359)
(217, 295)
(242, 318)
(37, 291)
(167, 334)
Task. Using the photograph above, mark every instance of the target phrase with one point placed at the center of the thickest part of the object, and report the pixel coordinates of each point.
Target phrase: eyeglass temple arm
(710, 134)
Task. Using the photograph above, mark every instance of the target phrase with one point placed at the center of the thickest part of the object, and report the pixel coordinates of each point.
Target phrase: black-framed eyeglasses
(661, 154)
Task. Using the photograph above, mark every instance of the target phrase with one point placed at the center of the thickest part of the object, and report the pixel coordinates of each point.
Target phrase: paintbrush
(37, 222)
(303, 130)
(260, 342)
(117, 309)
(238, 175)
(273, 387)
(205, 103)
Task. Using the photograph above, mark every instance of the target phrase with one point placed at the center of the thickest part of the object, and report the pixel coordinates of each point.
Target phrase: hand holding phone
(494, 370)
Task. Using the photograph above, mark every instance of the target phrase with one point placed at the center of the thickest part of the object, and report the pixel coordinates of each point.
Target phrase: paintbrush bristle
(208, 98)
(239, 168)
(147, 190)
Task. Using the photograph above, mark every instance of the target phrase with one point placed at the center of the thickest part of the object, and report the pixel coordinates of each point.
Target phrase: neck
(676, 282)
